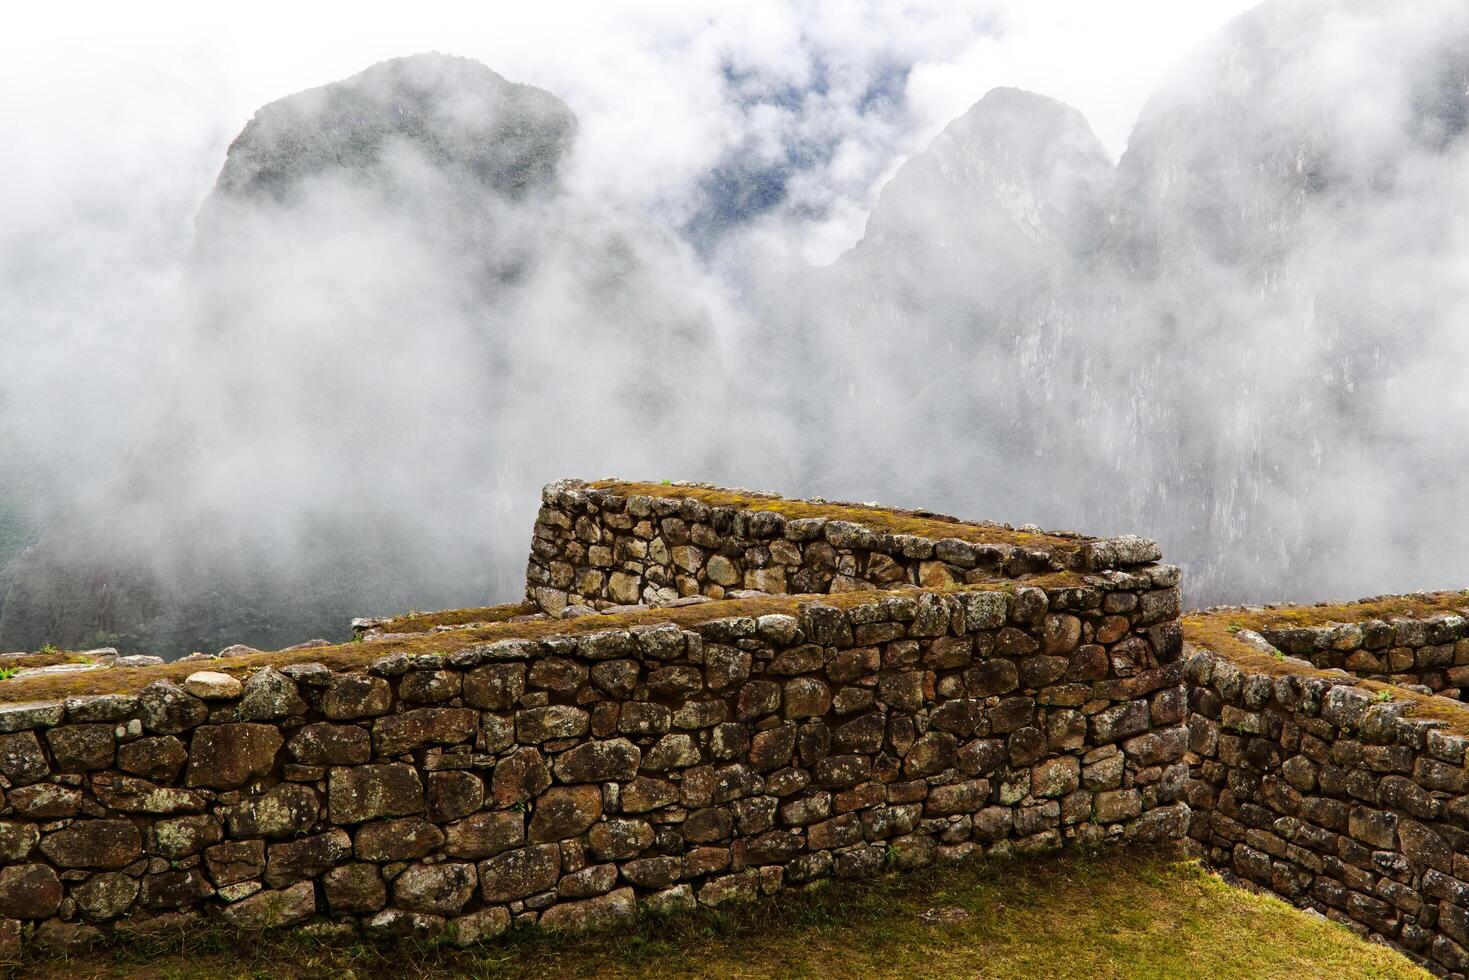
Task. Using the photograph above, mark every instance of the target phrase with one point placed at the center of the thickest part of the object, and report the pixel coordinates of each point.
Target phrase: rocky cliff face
(1218, 329)
(920, 337)
(454, 112)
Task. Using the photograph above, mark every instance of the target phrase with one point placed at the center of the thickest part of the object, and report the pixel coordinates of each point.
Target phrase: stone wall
(666, 723)
(599, 545)
(1345, 796)
(1428, 652)
(563, 772)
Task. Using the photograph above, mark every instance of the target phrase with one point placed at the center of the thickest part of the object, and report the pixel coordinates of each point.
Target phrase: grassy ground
(1122, 915)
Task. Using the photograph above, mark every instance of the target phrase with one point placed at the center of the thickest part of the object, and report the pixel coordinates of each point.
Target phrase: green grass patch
(423, 622)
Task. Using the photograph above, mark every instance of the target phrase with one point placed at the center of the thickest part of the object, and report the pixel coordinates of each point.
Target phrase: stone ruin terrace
(709, 695)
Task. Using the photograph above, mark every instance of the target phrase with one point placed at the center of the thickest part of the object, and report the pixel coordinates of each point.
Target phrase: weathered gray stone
(167, 709)
(593, 913)
(454, 794)
(931, 754)
(17, 840)
(421, 727)
(399, 839)
(105, 896)
(158, 757)
(299, 860)
(516, 874)
(269, 694)
(359, 793)
(599, 762)
(22, 760)
(519, 776)
(234, 862)
(325, 744)
(100, 707)
(274, 909)
(494, 686)
(22, 716)
(94, 844)
(211, 685)
(564, 811)
(677, 751)
(1119, 721)
(79, 748)
(402, 924)
(225, 756)
(725, 667)
(45, 801)
(351, 696)
(619, 839)
(551, 722)
(477, 927)
(429, 686)
(964, 797)
(644, 794)
(132, 795)
(483, 835)
(285, 810)
(806, 697)
(29, 891)
(644, 718)
(435, 889)
(729, 889)
(180, 837)
(354, 889)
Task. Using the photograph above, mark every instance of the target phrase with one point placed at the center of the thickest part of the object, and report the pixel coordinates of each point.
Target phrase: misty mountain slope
(959, 290)
(1240, 346)
(1290, 228)
(401, 324)
(454, 111)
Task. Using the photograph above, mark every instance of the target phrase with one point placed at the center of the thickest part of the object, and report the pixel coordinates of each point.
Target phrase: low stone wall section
(1348, 798)
(598, 547)
(1431, 652)
(566, 779)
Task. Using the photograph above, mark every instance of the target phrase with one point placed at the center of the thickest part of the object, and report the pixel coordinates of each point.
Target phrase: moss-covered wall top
(609, 544)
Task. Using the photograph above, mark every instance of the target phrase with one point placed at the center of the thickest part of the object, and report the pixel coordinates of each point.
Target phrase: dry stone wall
(852, 690)
(1431, 653)
(595, 547)
(1350, 798)
(565, 779)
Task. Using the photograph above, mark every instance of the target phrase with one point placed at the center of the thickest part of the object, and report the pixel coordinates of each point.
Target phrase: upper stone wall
(1419, 641)
(610, 544)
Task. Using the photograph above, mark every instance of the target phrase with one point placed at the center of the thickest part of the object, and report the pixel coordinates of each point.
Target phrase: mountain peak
(1017, 165)
(371, 128)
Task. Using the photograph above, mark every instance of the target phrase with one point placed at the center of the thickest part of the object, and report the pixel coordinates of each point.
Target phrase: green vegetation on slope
(1117, 914)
